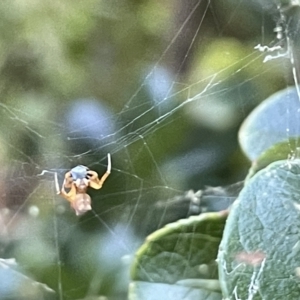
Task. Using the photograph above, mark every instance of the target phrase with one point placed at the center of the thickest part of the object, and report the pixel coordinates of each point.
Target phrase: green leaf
(259, 256)
(277, 152)
(140, 290)
(179, 259)
(274, 121)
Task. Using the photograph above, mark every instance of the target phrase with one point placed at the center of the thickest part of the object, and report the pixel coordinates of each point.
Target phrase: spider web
(170, 127)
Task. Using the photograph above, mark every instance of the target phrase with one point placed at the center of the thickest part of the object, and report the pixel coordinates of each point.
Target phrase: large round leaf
(180, 259)
(275, 120)
(259, 256)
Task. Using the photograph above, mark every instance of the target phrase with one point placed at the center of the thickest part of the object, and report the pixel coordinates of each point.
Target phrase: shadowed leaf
(173, 258)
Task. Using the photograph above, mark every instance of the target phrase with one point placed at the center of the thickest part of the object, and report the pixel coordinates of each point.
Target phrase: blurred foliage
(162, 86)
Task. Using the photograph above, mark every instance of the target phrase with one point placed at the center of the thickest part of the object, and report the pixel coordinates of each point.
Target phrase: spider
(78, 180)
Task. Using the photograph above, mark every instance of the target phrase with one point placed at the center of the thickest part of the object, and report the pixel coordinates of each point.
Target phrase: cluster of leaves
(53, 53)
(256, 248)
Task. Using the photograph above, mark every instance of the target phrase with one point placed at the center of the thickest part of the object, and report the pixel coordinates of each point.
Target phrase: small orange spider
(78, 180)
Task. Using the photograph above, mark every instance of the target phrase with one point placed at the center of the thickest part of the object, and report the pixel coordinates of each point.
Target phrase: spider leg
(94, 181)
(56, 184)
(68, 180)
(69, 196)
(108, 164)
